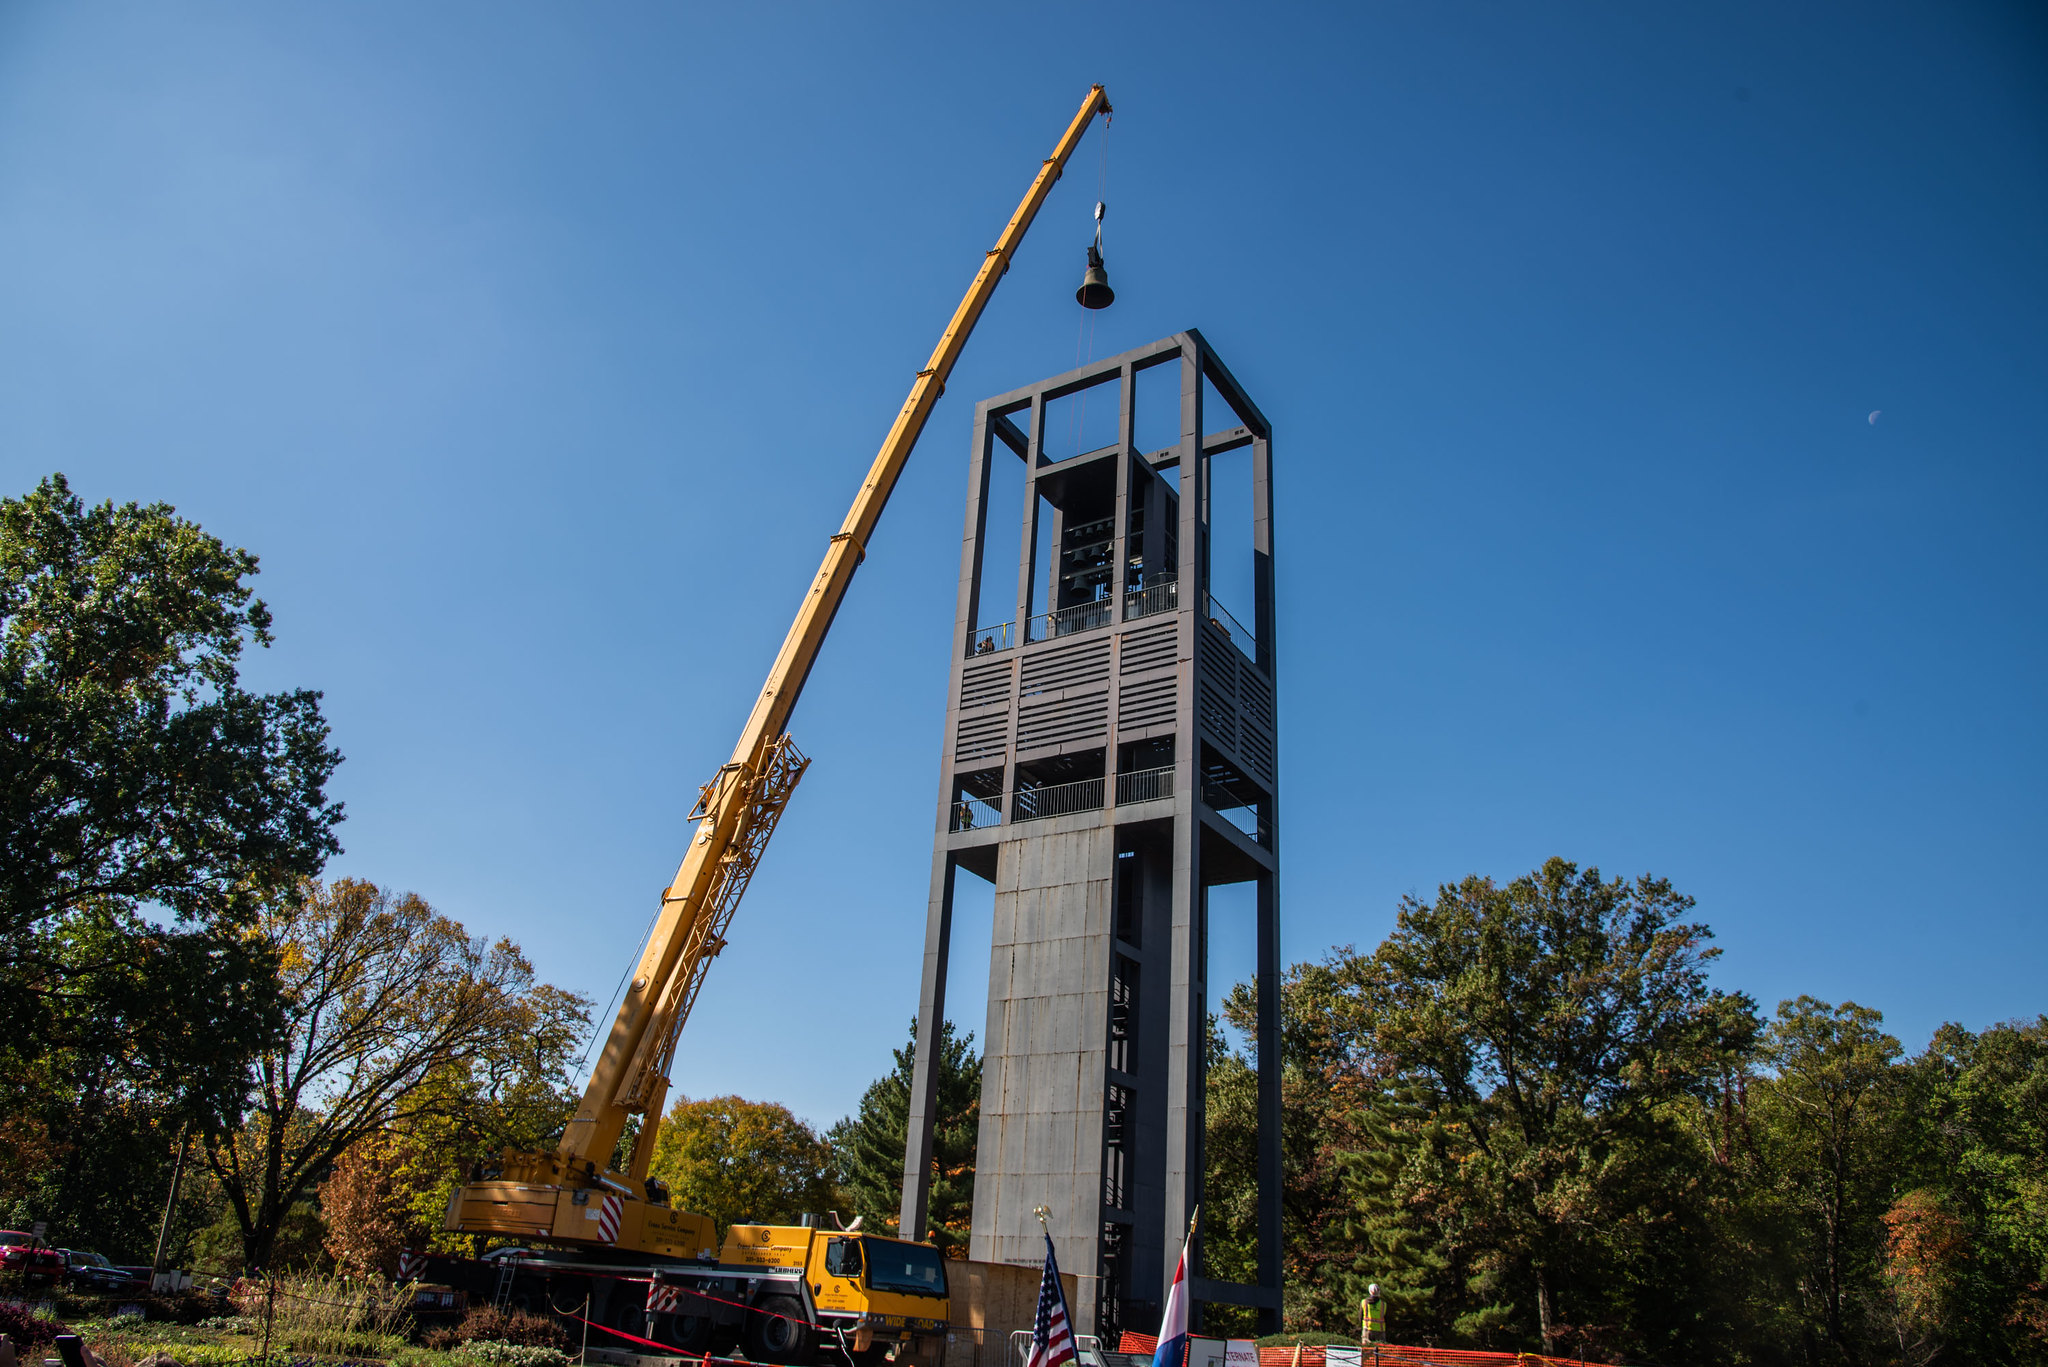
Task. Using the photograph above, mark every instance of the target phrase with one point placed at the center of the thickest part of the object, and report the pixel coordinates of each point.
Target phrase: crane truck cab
(785, 1291)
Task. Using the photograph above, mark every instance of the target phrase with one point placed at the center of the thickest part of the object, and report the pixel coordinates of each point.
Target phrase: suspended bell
(1095, 292)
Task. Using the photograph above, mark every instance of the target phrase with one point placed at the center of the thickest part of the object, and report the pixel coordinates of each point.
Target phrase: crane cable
(1086, 331)
(597, 1022)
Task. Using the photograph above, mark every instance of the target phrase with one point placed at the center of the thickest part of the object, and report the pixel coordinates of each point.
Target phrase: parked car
(19, 1252)
(93, 1272)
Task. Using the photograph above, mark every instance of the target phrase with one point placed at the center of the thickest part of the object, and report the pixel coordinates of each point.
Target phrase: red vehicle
(20, 1252)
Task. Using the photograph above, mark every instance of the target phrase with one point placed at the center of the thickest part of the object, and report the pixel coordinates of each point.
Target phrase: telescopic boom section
(739, 807)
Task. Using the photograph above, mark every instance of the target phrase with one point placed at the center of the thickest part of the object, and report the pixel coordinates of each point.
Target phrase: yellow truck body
(794, 1293)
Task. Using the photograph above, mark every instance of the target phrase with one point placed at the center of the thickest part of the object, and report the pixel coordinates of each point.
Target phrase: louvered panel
(1216, 686)
(1063, 668)
(1219, 715)
(981, 736)
(1063, 721)
(1219, 660)
(1256, 745)
(1150, 702)
(982, 684)
(1150, 648)
(1255, 696)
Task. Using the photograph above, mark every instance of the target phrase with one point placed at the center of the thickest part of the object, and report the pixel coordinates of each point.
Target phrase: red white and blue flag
(1052, 1335)
(1173, 1325)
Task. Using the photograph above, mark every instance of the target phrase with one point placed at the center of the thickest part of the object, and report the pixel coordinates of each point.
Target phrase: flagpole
(1052, 1342)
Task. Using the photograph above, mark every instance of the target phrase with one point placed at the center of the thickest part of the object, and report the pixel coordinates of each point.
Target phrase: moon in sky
(1873, 416)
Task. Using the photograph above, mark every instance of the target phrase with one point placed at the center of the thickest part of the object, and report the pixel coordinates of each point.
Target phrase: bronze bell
(1095, 292)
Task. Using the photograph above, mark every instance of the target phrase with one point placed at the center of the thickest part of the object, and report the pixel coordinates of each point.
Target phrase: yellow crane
(572, 1195)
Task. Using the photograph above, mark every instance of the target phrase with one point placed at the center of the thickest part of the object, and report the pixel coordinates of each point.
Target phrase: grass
(331, 1316)
(316, 1322)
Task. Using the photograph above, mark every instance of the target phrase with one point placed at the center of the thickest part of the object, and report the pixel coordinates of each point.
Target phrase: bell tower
(1110, 758)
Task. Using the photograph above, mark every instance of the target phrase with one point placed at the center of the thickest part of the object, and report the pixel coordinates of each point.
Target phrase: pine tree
(1398, 1247)
(867, 1148)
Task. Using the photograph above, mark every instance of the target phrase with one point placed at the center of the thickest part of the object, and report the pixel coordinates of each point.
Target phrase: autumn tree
(386, 1001)
(868, 1146)
(364, 1206)
(742, 1162)
(391, 1189)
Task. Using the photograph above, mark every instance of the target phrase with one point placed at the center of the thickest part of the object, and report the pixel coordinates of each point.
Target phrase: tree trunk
(1543, 1309)
(1832, 1218)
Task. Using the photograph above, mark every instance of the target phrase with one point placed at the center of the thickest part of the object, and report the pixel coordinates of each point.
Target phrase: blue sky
(537, 349)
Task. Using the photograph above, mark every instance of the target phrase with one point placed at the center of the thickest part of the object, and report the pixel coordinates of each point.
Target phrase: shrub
(231, 1324)
(495, 1354)
(184, 1307)
(521, 1327)
(26, 1328)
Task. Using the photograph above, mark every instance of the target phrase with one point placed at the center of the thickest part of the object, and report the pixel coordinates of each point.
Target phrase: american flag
(1052, 1336)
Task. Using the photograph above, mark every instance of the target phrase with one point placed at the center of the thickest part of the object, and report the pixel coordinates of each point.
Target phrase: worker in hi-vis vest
(1373, 1312)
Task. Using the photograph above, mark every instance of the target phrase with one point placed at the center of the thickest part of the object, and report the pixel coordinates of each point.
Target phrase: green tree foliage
(98, 1100)
(1321, 1088)
(1824, 1119)
(1330, 1085)
(1533, 1087)
(149, 808)
(1401, 1151)
(1502, 1116)
(134, 771)
(742, 1162)
(396, 1018)
(1557, 1020)
(1979, 1107)
(868, 1147)
(1897, 1209)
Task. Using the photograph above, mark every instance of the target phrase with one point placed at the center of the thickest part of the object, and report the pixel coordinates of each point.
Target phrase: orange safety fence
(1386, 1354)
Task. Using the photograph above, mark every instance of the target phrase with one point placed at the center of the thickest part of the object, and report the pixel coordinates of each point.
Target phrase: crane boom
(737, 810)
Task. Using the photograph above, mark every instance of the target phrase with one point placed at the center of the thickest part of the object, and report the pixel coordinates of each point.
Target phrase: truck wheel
(690, 1333)
(778, 1332)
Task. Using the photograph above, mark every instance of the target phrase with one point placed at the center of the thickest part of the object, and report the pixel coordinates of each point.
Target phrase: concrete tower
(1110, 758)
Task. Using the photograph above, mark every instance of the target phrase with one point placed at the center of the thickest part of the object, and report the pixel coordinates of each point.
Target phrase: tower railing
(1240, 636)
(1144, 785)
(1066, 621)
(976, 813)
(989, 640)
(1161, 595)
(1056, 799)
